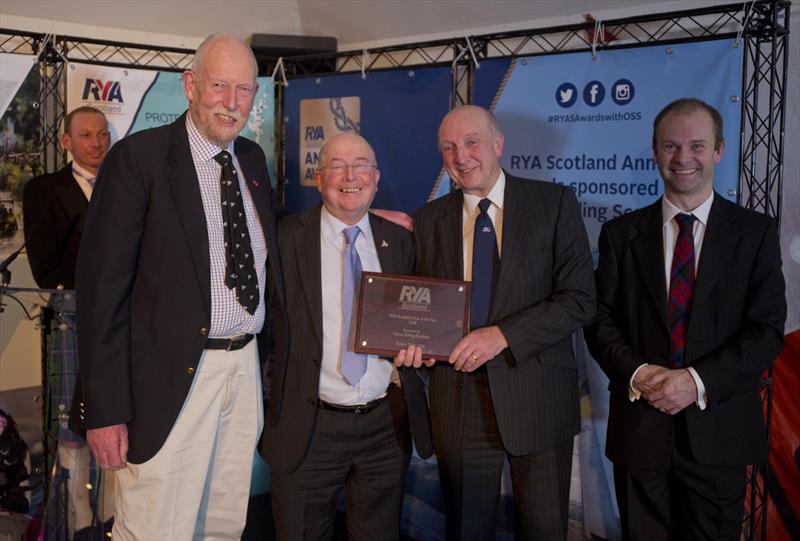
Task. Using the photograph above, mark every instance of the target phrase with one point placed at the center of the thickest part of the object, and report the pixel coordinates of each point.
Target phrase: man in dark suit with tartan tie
(690, 314)
(510, 388)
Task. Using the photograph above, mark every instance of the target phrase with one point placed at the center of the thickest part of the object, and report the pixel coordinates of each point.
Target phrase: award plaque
(395, 311)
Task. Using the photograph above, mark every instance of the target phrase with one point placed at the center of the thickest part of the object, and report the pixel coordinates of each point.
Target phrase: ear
(318, 180)
(66, 142)
(499, 141)
(718, 152)
(189, 83)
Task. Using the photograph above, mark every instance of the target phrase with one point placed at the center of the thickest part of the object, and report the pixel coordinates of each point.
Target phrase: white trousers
(198, 484)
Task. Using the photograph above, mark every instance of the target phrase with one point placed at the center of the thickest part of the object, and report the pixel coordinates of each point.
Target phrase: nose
(229, 100)
(461, 154)
(349, 172)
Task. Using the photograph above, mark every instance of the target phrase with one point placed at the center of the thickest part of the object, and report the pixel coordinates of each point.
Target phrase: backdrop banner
(398, 112)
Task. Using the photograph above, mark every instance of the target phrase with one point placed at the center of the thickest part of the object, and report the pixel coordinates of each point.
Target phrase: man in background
(337, 418)
(54, 211)
(510, 388)
(171, 282)
(54, 205)
(690, 314)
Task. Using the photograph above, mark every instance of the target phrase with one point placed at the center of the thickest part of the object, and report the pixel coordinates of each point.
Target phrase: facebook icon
(593, 93)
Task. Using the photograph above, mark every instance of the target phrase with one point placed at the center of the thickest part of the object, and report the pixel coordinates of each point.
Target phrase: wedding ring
(474, 356)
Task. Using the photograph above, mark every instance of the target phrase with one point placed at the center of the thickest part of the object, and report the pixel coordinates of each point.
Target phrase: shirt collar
(82, 172)
(669, 210)
(202, 149)
(496, 196)
(333, 228)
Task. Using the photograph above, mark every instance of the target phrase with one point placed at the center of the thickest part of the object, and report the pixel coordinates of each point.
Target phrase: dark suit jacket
(293, 375)
(143, 281)
(544, 292)
(54, 210)
(735, 331)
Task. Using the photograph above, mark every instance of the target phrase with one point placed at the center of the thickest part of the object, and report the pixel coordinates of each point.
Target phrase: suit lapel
(721, 236)
(307, 256)
(448, 228)
(648, 252)
(185, 188)
(71, 197)
(387, 255)
(513, 241)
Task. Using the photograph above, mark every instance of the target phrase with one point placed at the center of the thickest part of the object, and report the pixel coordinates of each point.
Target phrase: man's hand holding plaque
(471, 352)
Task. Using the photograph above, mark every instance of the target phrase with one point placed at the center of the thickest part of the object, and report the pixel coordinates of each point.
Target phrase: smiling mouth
(226, 118)
(466, 171)
(685, 171)
(349, 190)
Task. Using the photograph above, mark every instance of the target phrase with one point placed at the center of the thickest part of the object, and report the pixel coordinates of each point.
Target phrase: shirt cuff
(701, 389)
(633, 394)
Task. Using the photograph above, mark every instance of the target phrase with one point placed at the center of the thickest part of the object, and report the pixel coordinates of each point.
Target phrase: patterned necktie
(484, 261)
(240, 271)
(354, 365)
(681, 288)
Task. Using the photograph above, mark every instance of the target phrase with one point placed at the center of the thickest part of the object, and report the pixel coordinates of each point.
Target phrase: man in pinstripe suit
(510, 389)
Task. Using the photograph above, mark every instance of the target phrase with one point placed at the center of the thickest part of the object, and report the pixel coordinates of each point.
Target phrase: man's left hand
(674, 390)
(477, 347)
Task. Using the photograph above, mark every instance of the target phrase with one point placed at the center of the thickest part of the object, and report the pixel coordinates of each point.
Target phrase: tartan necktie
(240, 271)
(681, 288)
(354, 365)
(485, 260)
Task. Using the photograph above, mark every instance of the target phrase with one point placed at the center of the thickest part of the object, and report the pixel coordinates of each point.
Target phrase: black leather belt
(229, 344)
(359, 409)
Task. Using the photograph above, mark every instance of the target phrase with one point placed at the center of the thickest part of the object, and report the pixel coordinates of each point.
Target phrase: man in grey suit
(510, 388)
(335, 418)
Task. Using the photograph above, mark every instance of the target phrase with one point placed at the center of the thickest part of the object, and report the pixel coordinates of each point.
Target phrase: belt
(229, 344)
(359, 409)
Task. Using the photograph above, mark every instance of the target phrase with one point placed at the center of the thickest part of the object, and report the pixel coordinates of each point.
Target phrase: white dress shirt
(332, 386)
(228, 317)
(670, 236)
(82, 177)
(470, 214)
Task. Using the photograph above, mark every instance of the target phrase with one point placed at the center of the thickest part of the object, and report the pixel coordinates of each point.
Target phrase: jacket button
(315, 362)
(312, 402)
(204, 331)
(190, 370)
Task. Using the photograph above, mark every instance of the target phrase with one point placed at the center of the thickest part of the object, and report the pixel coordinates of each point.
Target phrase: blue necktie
(484, 259)
(354, 365)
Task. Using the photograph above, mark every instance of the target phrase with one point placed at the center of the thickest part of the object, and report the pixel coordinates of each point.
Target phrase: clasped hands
(668, 390)
(471, 352)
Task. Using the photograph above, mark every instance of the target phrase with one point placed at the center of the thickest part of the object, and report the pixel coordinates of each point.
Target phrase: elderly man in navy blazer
(171, 283)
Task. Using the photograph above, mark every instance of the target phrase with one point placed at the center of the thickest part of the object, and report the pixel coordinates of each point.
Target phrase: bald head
(217, 42)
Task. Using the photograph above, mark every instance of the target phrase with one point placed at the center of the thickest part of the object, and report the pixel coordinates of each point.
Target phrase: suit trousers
(471, 469)
(684, 501)
(198, 484)
(368, 455)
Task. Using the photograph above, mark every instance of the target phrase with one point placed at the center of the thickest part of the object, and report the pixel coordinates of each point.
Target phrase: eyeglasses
(359, 170)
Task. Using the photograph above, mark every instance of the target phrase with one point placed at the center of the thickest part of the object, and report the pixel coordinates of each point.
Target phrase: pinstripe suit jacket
(544, 292)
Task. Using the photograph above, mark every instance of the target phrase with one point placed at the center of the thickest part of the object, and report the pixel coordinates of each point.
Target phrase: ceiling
(355, 23)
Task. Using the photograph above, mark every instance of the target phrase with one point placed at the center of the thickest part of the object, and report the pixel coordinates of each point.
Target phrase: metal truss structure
(761, 27)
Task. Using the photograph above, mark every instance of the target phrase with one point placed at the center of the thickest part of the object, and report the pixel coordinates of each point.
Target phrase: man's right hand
(643, 383)
(109, 446)
(412, 356)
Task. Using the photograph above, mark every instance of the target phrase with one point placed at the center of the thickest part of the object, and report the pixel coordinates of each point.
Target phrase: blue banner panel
(398, 112)
(588, 123)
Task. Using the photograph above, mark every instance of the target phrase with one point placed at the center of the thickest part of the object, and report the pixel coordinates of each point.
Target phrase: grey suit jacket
(294, 366)
(544, 292)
